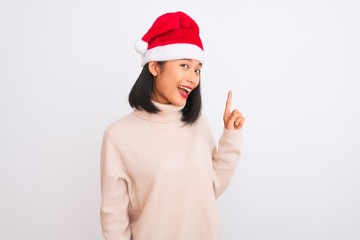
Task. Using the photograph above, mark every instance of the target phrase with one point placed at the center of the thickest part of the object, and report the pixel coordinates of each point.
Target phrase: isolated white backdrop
(66, 68)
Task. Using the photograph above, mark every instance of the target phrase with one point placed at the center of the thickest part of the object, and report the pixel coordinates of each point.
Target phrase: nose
(193, 78)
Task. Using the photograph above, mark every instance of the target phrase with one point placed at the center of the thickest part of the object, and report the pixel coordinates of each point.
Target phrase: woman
(161, 171)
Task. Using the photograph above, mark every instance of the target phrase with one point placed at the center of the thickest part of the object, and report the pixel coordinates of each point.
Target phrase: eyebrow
(188, 59)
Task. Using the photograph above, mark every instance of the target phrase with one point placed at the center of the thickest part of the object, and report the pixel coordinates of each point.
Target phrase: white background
(66, 68)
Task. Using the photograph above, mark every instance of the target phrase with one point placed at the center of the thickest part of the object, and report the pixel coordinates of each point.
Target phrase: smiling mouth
(184, 91)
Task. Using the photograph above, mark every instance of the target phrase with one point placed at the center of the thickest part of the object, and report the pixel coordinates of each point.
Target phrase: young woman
(161, 171)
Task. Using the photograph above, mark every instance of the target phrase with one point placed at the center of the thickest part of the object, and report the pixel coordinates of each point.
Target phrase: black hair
(140, 97)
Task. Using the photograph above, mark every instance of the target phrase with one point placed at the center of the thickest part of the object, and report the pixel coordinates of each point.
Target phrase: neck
(167, 113)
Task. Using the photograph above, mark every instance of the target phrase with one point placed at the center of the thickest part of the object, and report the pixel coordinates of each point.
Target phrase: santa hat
(172, 36)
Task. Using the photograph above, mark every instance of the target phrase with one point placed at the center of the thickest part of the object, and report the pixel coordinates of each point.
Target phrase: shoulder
(202, 122)
(203, 127)
(202, 119)
(120, 125)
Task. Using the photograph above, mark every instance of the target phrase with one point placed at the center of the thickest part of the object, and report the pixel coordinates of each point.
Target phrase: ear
(153, 68)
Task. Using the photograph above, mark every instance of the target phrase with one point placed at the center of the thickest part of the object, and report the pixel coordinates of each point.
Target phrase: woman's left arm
(226, 157)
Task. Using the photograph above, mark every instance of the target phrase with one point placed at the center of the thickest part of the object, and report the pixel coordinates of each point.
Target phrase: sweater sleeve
(225, 159)
(114, 193)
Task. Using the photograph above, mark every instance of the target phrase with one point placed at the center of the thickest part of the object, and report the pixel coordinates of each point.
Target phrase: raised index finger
(228, 102)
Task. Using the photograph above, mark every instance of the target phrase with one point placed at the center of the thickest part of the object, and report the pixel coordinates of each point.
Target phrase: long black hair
(140, 97)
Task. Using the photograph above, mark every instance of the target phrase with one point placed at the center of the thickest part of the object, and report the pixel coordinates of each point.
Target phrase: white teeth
(186, 89)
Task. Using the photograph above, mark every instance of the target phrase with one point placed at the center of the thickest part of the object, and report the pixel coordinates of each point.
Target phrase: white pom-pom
(141, 46)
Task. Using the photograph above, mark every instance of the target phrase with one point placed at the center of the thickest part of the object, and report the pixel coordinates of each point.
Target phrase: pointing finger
(228, 102)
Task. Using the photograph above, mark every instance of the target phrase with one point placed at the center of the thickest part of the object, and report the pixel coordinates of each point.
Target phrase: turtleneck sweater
(160, 178)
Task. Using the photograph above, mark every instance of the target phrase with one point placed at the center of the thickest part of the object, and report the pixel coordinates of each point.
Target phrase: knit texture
(160, 178)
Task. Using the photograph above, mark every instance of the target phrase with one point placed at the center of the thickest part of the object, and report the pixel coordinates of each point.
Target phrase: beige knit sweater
(160, 178)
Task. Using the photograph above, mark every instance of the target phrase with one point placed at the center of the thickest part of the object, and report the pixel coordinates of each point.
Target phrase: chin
(179, 103)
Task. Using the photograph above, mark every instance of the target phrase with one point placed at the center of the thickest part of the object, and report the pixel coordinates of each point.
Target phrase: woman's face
(174, 81)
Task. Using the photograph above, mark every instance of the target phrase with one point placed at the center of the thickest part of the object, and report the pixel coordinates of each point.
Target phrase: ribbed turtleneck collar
(168, 113)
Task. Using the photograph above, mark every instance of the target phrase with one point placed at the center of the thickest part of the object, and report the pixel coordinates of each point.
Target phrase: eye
(184, 65)
(198, 71)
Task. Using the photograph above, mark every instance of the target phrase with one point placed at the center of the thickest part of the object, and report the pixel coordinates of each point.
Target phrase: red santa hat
(172, 36)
